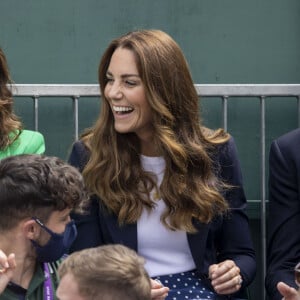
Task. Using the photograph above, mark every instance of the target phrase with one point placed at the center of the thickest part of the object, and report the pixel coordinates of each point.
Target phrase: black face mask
(58, 245)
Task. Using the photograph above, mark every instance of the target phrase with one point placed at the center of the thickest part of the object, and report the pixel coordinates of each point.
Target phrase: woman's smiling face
(125, 93)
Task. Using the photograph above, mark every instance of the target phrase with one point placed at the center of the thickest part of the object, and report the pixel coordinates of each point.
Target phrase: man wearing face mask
(37, 196)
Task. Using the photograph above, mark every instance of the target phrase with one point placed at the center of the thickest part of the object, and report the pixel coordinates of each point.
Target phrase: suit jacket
(28, 142)
(226, 237)
(284, 212)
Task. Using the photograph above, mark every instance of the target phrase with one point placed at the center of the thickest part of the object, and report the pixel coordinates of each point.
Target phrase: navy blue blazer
(226, 237)
(284, 212)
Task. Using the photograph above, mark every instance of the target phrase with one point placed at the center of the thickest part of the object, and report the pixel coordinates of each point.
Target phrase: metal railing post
(75, 116)
(36, 112)
(298, 105)
(225, 112)
(263, 191)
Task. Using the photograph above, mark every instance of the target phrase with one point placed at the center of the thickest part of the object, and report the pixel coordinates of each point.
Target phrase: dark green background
(225, 41)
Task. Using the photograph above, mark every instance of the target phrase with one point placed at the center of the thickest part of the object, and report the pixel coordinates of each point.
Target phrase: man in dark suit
(284, 217)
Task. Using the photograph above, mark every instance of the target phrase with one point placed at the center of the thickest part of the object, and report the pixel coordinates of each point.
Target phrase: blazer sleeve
(284, 214)
(88, 224)
(233, 239)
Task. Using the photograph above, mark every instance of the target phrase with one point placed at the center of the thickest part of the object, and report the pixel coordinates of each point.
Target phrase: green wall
(232, 41)
(61, 41)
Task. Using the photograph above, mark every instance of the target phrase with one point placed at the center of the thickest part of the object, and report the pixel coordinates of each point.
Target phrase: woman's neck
(147, 144)
(149, 148)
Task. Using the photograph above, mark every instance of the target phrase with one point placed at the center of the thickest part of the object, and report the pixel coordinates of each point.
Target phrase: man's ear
(31, 229)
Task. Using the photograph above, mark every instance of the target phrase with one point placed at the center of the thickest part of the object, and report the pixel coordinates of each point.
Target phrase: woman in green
(14, 139)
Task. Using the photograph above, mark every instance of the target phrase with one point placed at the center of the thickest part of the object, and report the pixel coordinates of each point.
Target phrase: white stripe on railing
(208, 90)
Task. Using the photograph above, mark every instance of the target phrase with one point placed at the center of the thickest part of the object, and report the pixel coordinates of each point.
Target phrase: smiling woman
(152, 167)
(125, 93)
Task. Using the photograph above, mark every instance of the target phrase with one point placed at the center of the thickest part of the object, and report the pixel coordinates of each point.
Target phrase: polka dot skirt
(185, 286)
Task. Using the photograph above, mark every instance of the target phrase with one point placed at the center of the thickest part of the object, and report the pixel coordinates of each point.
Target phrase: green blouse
(28, 142)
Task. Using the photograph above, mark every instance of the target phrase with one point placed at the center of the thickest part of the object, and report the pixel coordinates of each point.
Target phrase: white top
(165, 251)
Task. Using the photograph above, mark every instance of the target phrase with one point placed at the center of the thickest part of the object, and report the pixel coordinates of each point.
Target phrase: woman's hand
(225, 277)
(288, 292)
(158, 291)
(7, 266)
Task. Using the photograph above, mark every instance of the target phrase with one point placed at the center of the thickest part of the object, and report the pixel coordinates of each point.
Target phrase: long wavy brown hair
(10, 124)
(190, 187)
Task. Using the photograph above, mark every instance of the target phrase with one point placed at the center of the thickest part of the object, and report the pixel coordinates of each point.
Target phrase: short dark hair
(36, 185)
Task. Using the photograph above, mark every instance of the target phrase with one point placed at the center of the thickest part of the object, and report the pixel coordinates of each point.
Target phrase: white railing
(224, 91)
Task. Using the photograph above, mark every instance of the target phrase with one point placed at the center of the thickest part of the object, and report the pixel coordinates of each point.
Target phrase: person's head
(110, 272)
(39, 192)
(160, 90)
(9, 122)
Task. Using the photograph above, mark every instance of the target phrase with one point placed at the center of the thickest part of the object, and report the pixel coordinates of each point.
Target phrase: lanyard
(48, 289)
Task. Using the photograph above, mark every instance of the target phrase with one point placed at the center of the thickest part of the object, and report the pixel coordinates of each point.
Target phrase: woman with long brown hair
(13, 138)
(163, 184)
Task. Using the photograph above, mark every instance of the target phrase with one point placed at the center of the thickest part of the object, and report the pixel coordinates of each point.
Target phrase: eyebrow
(123, 75)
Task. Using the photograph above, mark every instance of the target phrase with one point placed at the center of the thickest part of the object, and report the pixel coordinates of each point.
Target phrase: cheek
(147, 112)
(68, 289)
(62, 291)
(59, 228)
(58, 292)
(106, 91)
(140, 101)
(43, 238)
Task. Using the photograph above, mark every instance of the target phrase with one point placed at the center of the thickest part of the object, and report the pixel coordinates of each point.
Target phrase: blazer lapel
(125, 234)
(197, 242)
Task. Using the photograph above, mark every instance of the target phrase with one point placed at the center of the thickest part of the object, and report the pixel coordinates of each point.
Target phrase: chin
(121, 130)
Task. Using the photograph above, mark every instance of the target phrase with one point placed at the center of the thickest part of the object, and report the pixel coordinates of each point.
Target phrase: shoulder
(33, 141)
(79, 149)
(31, 135)
(226, 152)
(221, 144)
(286, 146)
(227, 164)
(289, 140)
(79, 155)
(28, 142)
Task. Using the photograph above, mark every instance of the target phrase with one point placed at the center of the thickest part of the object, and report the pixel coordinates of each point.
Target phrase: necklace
(156, 195)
